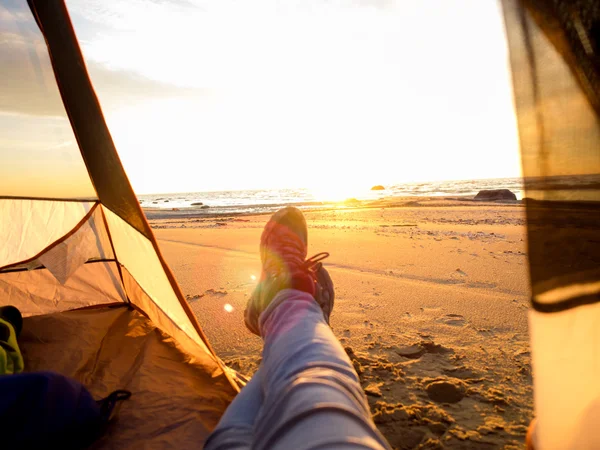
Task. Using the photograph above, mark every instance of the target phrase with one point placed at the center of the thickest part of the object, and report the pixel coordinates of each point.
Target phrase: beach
(431, 306)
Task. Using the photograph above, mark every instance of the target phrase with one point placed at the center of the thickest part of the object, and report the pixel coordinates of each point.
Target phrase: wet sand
(431, 305)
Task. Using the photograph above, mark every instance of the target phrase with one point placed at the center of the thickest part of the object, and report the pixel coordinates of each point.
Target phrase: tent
(555, 61)
(79, 259)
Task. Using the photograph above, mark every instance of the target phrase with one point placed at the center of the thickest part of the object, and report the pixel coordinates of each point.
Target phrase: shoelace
(313, 264)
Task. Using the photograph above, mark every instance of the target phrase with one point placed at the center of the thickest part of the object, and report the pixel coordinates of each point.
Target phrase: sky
(330, 95)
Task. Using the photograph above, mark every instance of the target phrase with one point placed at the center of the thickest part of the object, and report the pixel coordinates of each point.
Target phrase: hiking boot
(283, 249)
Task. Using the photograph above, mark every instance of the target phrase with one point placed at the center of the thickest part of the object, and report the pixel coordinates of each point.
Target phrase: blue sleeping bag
(49, 410)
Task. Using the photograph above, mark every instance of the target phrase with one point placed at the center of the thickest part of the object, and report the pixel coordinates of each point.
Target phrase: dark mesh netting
(555, 58)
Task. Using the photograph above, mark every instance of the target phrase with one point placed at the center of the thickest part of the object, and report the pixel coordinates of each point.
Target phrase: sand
(431, 306)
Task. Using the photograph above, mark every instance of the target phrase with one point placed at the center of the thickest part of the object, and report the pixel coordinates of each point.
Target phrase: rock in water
(445, 391)
(197, 204)
(378, 188)
(495, 194)
(204, 207)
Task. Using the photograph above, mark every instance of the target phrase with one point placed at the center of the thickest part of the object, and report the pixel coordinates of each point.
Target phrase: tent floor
(176, 398)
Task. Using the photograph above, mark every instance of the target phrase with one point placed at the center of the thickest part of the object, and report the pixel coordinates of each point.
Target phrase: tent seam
(24, 269)
(112, 246)
(49, 199)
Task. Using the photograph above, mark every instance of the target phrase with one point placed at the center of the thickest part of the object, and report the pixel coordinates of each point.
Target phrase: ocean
(266, 200)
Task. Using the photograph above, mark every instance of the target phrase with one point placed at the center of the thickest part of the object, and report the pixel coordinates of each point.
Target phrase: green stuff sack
(11, 360)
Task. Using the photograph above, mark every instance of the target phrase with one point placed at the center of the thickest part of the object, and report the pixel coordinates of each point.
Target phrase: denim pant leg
(306, 394)
(312, 395)
(235, 430)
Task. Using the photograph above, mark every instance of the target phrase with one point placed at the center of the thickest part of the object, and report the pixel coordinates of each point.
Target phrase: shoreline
(154, 213)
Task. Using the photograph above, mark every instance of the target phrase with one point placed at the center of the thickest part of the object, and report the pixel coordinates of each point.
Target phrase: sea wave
(265, 200)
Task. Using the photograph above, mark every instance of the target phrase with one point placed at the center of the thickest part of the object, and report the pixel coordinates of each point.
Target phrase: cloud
(28, 86)
(118, 88)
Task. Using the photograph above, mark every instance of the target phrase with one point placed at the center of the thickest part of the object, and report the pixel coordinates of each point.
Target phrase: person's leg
(312, 395)
(235, 430)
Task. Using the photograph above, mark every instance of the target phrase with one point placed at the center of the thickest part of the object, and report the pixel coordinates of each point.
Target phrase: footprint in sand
(415, 351)
(192, 298)
(464, 373)
(368, 306)
(411, 351)
(368, 324)
(455, 320)
(487, 332)
(219, 293)
(446, 391)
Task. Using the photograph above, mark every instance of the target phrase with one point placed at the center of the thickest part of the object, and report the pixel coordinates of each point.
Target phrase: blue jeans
(305, 395)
